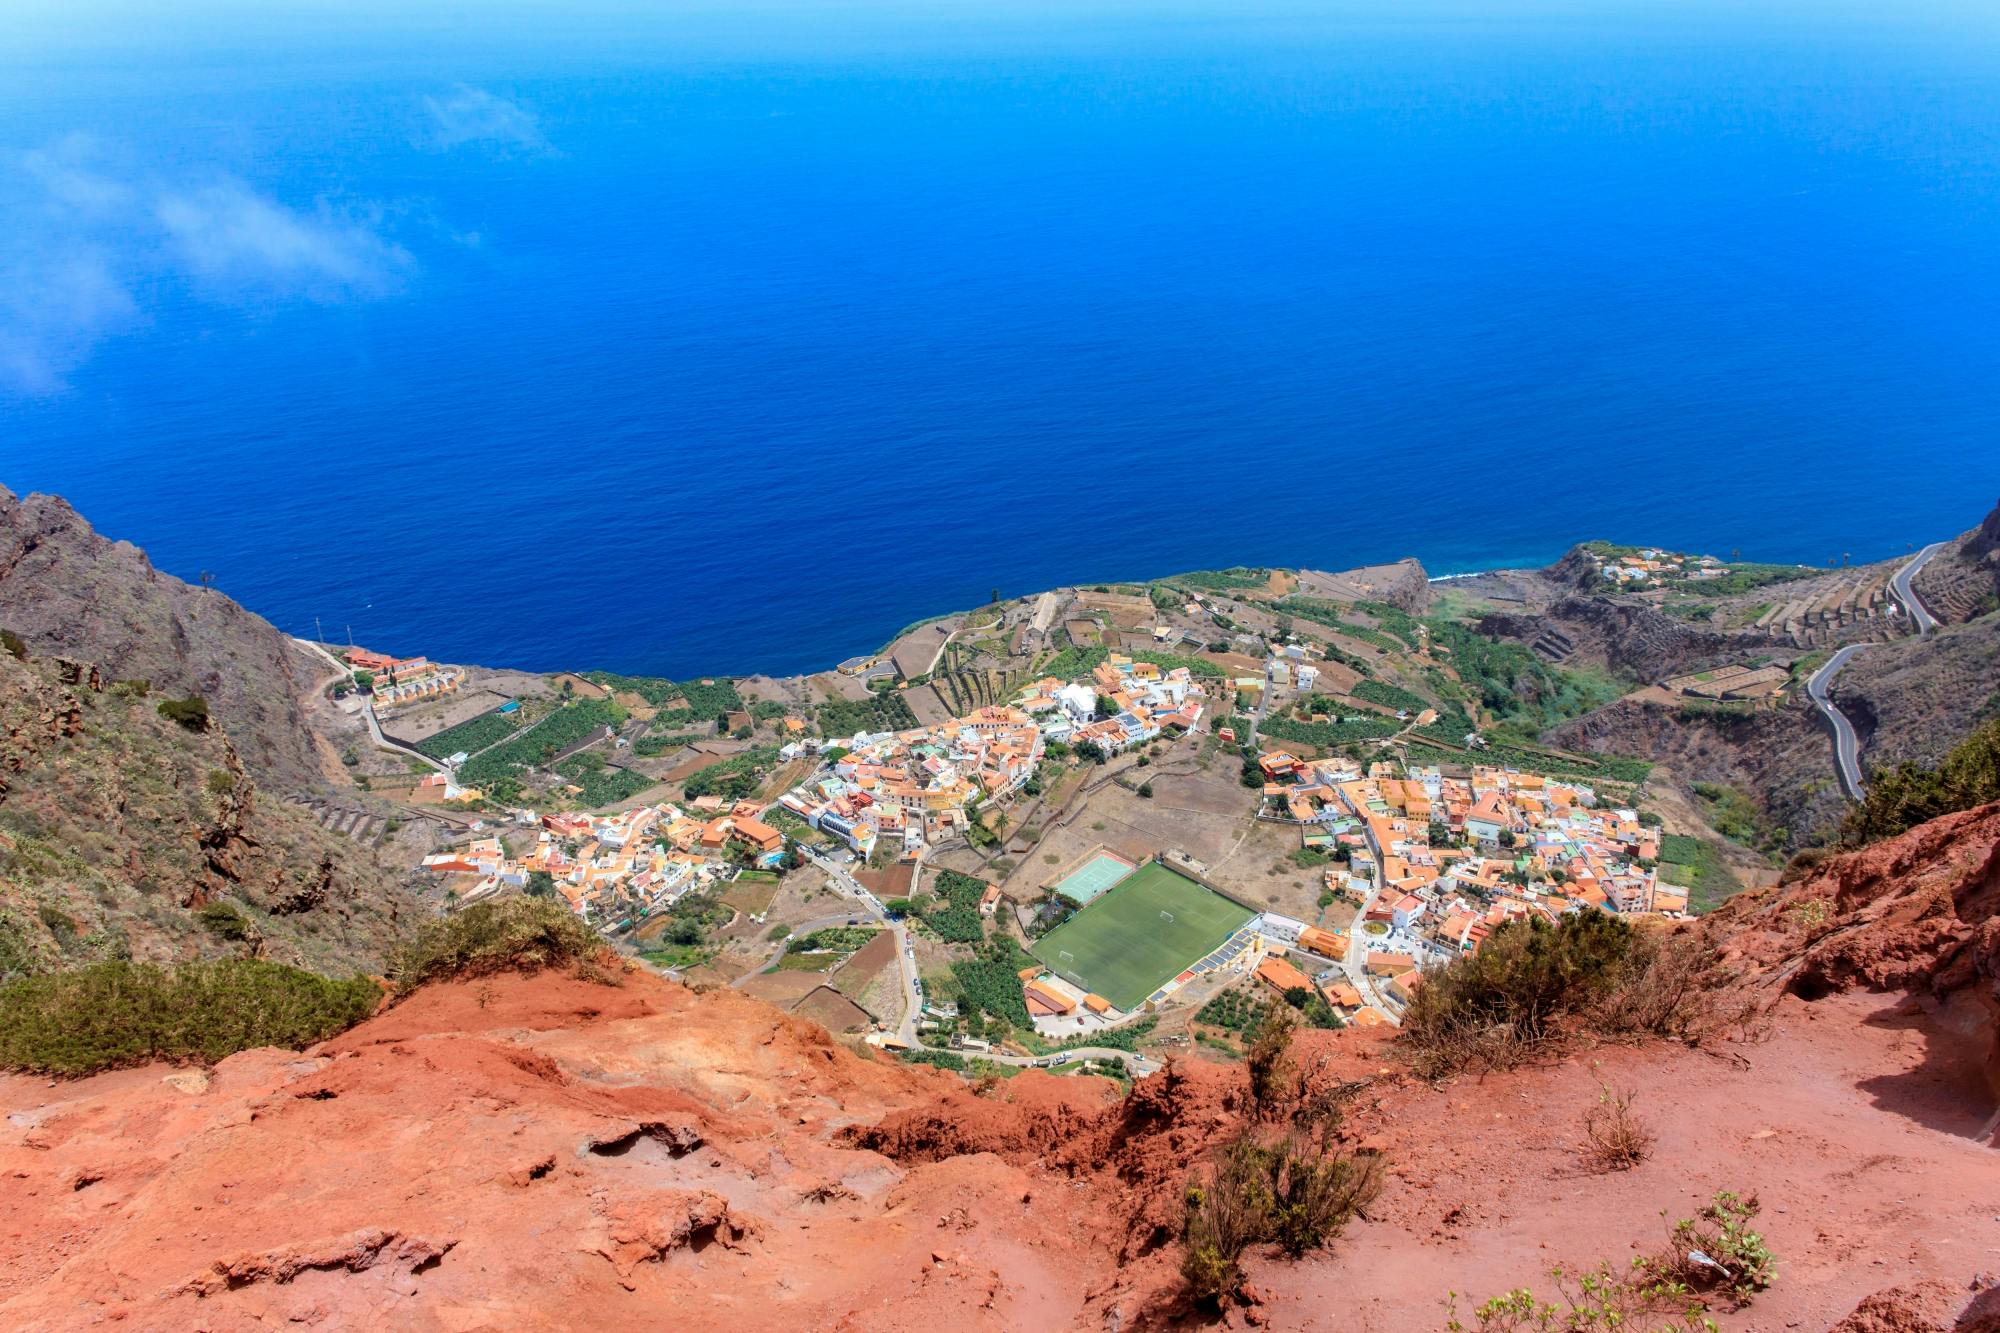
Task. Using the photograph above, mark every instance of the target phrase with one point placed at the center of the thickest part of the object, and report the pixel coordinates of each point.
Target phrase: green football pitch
(1139, 935)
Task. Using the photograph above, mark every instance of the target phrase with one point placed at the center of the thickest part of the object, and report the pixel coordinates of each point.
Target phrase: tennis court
(1093, 877)
(1139, 934)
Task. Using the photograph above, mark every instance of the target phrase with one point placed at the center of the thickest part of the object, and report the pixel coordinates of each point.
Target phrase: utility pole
(319, 635)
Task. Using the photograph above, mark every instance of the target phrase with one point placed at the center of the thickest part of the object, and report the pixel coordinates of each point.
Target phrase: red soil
(546, 1152)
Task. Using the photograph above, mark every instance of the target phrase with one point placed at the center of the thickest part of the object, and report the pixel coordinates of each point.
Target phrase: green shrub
(13, 644)
(951, 1060)
(111, 1015)
(191, 712)
(1662, 1291)
(1909, 794)
(224, 921)
(510, 935)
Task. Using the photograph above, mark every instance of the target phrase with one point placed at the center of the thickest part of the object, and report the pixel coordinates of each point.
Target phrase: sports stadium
(1139, 933)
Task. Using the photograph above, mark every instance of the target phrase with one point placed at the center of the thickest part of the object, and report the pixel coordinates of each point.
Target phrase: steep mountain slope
(547, 1152)
(1963, 581)
(119, 826)
(68, 592)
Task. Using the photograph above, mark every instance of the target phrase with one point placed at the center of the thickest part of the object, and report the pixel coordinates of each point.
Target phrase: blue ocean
(735, 335)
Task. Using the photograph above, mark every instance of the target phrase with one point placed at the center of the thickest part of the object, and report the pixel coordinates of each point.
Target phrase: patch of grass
(111, 1015)
(1698, 867)
(510, 935)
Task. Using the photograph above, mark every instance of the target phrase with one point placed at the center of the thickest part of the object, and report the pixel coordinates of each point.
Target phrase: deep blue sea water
(683, 337)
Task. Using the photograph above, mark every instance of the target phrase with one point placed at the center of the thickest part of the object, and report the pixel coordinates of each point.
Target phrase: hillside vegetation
(119, 824)
(1911, 794)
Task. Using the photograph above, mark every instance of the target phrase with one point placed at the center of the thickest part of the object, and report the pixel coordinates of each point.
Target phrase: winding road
(1905, 594)
(375, 735)
(1847, 745)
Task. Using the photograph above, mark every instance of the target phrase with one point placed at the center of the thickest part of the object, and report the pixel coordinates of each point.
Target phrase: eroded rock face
(1916, 914)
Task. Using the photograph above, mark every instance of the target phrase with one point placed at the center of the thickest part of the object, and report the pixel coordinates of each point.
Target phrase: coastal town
(1392, 864)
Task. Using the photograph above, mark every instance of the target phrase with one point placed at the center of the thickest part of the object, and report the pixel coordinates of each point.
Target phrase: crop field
(1139, 935)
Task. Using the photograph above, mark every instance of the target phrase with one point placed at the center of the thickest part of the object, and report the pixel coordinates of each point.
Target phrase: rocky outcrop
(1916, 698)
(1403, 584)
(1780, 757)
(68, 592)
(1917, 914)
(529, 1152)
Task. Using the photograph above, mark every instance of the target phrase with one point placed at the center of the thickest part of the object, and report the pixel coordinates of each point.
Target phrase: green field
(1123, 949)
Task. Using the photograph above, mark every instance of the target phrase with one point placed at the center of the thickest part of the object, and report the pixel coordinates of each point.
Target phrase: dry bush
(1316, 1191)
(1291, 1191)
(1270, 1061)
(1518, 994)
(1535, 988)
(1615, 1138)
(510, 935)
(1715, 1252)
(1226, 1213)
(1676, 987)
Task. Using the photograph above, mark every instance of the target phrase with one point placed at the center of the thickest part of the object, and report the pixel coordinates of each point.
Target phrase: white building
(1079, 701)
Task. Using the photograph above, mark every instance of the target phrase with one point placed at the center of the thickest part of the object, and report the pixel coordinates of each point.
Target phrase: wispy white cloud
(56, 304)
(468, 115)
(241, 241)
(83, 240)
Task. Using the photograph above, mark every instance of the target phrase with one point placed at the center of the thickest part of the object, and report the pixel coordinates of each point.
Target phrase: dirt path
(1852, 1125)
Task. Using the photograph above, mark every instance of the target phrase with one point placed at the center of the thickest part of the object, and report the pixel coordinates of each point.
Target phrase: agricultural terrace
(1140, 934)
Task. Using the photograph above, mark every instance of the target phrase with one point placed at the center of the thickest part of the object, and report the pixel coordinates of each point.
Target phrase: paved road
(1846, 745)
(1919, 615)
(368, 711)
